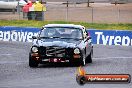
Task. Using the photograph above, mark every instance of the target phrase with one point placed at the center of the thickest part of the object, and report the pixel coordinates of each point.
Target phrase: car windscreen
(61, 32)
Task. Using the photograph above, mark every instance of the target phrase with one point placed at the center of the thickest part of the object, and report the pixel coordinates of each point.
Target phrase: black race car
(64, 43)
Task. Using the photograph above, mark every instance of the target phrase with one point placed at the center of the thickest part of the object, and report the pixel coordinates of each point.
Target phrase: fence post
(118, 14)
(92, 15)
(88, 3)
(67, 5)
(42, 15)
(18, 9)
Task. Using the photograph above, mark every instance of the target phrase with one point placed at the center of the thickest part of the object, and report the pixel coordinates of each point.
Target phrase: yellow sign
(39, 7)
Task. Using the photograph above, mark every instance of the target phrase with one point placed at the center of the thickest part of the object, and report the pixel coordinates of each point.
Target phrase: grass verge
(39, 24)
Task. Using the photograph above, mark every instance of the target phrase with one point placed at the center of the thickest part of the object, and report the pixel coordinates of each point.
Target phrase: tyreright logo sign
(111, 37)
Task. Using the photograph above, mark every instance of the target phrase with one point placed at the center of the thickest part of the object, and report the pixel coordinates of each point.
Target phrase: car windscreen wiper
(44, 37)
(71, 38)
(48, 37)
(60, 38)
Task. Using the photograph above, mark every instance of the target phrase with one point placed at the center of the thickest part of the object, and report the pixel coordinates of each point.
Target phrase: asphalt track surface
(15, 72)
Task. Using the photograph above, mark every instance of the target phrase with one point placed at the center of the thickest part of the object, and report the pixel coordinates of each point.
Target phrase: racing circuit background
(112, 49)
(101, 11)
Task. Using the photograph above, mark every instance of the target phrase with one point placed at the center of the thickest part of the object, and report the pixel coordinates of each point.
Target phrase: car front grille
(55, 51)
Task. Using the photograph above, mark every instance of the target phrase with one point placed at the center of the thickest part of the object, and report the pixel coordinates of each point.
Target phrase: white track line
(13, 62)
(5, 54)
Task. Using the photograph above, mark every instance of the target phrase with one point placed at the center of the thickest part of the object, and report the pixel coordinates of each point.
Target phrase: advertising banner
(21, 34)
(105, 37)
(111, 37)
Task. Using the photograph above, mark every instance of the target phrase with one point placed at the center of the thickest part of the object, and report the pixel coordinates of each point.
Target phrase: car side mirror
(88, 38)
(88, 34)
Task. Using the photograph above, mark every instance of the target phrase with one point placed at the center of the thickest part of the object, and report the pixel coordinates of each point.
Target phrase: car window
(62, 32)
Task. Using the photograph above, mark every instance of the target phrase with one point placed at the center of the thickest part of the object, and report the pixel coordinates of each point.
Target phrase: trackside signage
(111, 37)
(21, 34)
(105, 37)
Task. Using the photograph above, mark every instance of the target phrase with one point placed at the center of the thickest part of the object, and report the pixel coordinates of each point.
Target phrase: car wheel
(89, 58)
(32, 63)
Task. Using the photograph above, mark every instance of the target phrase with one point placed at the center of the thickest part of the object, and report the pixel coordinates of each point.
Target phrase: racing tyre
(32, 63)
(89, 58)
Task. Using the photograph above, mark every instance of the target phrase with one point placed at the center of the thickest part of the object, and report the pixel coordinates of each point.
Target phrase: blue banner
(105, 37)
(111, 37)
(22, 34)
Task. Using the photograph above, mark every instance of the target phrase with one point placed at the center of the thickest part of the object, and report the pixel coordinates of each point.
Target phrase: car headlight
(34, 49)
(76, 51)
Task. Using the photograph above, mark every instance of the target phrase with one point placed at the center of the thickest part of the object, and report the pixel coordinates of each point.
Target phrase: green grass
(39, 24)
